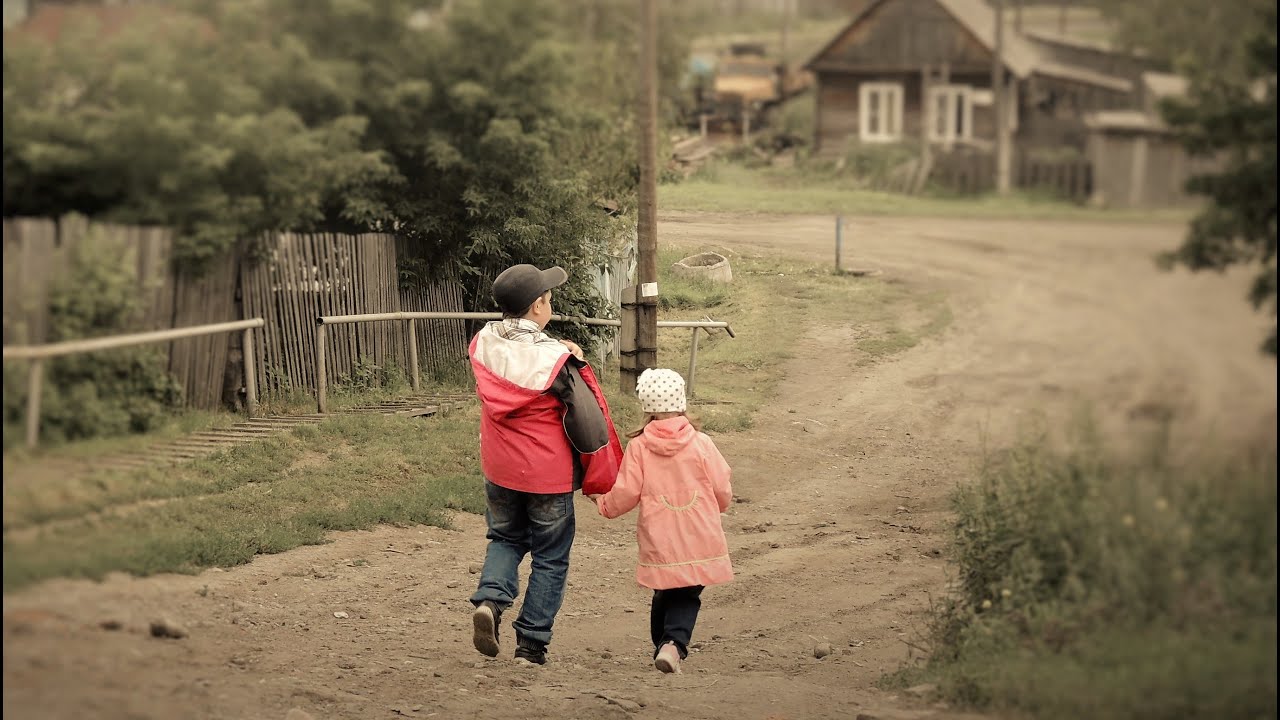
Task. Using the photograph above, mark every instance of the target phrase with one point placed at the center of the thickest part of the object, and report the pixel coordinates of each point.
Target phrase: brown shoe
(484, 622)
(668, 660)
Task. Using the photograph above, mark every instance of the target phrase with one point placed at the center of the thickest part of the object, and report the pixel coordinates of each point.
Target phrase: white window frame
(888, 126)
(943, 100)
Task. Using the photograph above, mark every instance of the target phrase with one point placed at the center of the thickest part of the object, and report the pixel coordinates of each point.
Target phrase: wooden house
(907, 70)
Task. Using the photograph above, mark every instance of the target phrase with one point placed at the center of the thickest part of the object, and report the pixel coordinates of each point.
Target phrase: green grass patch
(350, 472)
(730, 188)
(174, 427)
(1094, 585)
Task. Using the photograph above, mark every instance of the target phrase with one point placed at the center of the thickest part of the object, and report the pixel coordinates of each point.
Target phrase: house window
(880, 112)
(951, 114)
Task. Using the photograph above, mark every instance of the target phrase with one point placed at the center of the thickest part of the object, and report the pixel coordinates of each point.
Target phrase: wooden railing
(37, 354)
(410, 329)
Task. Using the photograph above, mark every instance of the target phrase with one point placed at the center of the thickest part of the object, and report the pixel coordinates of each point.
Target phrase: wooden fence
(300, 278)
(972, 173)
(38, 254)
(306, 276)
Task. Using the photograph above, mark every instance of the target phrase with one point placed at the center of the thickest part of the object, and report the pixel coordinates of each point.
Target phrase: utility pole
(644, 298)
(1000, 97)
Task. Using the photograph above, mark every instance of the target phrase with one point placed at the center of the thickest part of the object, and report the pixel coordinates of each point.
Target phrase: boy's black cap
(518, 286)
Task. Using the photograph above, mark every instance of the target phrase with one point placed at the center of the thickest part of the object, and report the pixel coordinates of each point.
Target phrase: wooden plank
(288, 298)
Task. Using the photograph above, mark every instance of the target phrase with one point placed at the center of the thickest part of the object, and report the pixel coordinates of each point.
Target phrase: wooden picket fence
(973, 173)
(39, 253)
(301, 277)
(307, 276)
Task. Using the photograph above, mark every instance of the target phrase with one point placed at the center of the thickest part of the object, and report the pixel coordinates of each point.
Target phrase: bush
(101, 393)
(1091, 585)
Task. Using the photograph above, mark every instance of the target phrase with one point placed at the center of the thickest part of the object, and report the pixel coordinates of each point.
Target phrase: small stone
(775, 545)
(606, 655)
(437, 674)
(166, 628)
(474, 569)
(642, 701)
(821, 650)
(298, 714)
(342, 615)
(452, 584)
(111, 625)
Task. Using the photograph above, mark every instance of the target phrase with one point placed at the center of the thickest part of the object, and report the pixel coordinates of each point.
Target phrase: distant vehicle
(745, 84)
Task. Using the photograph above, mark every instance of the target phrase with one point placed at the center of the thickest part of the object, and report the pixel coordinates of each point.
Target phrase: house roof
(1021, 56)
(1083, 75)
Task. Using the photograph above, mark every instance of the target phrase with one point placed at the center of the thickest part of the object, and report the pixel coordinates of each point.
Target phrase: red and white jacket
(544, 424)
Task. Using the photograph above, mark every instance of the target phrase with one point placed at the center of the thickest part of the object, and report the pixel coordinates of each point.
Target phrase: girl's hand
(573, 348)
(594, 498)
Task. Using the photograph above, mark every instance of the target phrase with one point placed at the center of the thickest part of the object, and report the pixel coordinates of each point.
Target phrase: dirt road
(836, 540)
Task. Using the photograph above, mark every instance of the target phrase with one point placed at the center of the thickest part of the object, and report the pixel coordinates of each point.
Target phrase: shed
(1138, 163)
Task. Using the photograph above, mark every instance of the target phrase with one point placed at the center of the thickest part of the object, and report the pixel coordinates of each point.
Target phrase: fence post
(839, 240)
(413, 354)
(693, 363)
(35, 379)
(627, 342)
(320, 379)
(250, 374)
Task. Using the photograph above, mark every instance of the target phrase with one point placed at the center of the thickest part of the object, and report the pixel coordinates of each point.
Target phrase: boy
(545, 432)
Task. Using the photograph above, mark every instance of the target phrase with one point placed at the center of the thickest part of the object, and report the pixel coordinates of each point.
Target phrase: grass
(1090, 584)
(357, 471)
(731, 188)
(350, 472)
(179, 425)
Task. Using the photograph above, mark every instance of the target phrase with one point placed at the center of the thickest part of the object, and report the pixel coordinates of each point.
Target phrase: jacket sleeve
(625, 494)
(718, 473)
(587, 428)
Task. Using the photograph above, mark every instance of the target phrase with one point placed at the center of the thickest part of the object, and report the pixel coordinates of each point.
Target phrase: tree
(1235, 118)
(168, 124)
(1186, 34)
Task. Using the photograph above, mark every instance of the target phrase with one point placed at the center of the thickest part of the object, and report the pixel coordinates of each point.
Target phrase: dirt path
(837, 539)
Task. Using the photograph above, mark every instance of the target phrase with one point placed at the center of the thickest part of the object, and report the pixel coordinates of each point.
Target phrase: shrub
(1104, 586)
(101, 393)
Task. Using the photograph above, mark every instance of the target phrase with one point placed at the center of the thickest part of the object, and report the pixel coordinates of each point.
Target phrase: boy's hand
(573, 348)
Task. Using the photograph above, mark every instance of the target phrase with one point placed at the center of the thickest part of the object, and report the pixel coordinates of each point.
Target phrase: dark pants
(523, 523)
(672, 616)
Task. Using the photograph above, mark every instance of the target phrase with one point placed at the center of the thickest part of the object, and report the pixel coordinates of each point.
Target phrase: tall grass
(1093, 585)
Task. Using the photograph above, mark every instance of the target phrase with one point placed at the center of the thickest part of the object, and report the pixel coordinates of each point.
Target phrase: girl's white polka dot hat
(660, 390)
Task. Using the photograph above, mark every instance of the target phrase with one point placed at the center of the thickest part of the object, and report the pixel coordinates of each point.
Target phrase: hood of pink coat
(670, 436)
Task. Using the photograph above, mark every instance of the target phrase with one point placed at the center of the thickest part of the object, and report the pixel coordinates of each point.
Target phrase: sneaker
(485, 623)
(529, 654)
(668, 659)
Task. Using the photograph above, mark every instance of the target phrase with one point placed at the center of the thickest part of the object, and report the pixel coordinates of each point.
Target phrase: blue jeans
(523, 523)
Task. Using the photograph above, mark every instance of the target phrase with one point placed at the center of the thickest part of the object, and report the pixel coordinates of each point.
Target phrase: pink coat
(681, 483)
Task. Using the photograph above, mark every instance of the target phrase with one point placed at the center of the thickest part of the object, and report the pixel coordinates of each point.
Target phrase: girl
(681, 483)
